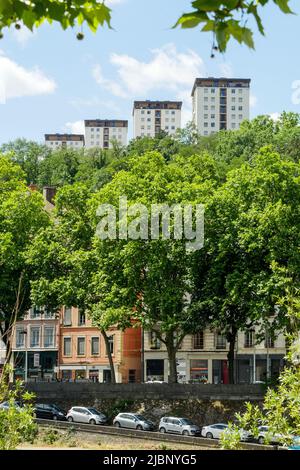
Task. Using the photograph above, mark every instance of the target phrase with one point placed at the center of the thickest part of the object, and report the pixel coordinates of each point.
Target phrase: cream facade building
(220, 103)
(203, 358)
(73, 141)
(152, 117)
(100, 133)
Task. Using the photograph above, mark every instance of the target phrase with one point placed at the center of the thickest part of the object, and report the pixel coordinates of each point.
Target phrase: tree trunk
(109, 355)
(231, 337)
(171, 349)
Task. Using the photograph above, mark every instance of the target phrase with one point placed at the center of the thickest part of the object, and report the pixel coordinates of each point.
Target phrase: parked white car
(213, 431)
(265, 436)
(80, 414)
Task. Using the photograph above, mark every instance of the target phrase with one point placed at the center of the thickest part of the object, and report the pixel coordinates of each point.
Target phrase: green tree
(153, 276)
(28, 155)
(16, 424)
(67, 266)
(252, 222)
(68, 14)
(22, 216)
(227, 19)
(59, 167)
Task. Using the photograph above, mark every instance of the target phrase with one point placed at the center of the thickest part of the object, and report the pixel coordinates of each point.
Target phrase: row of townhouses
(65, 346)
(218, 103)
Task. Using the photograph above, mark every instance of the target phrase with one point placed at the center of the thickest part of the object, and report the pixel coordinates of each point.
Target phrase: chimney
(49, 193)
(33, 187)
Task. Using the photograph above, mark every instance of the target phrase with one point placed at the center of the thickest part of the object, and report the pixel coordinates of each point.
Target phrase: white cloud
(23, 35)
(274, 116)
(16, 81)
(111, 86)
(226, 69)
(76, 127)
(95, 102)
(252, 100)
(167, 69)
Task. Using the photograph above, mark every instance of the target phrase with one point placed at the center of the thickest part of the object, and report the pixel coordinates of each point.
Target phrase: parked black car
(46, 411)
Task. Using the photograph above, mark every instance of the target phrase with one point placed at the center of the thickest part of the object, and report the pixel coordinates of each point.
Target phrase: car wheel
(117, 424)
(139, 427)
(55, 417)
(261, 440)
(162, 430)
(92, 421)
(209, 435)
(70, 419)
(185, 433)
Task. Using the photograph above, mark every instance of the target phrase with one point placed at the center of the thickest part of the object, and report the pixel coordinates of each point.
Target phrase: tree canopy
(225, 19)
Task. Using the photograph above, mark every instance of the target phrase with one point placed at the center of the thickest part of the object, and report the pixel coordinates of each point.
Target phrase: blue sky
(51, 82)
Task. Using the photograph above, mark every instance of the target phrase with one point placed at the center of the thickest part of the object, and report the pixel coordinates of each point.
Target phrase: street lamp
(24, 332)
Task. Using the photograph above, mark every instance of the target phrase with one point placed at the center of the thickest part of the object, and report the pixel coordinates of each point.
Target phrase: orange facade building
(82, 351)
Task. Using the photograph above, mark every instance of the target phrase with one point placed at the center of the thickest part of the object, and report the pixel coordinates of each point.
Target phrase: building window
(67, 347)
(199, 370)
(233, 116)
(48, 336)
(269, 342)
(206, 124)
(212, 116)
(220, 341)
(34, 336)
(35, 312)
(68, 316)
(153, 340)
(240, 108)
(95, 346)
(80, 346)
(240, 116)
(232, 108)
(233, 91)
(205, 116)
(249, 339)
(205, 133)
(213, 90)
(142, 111)
(48, 314)
(233, 125)
(240, 100)
(212, 124)
(206, 108)
(111, 343)
(205, 90)
(81, 317)
(132, 376)
(198, 340)
(20, 337)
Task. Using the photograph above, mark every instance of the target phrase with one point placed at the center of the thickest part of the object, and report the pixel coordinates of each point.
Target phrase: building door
(107, 376)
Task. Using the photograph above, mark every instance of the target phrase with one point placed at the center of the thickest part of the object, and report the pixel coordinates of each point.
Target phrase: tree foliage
(68, 13)
(227, 19)
(16, 424)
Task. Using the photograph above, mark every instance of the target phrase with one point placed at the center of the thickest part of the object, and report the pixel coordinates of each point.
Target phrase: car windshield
(57, 408)
(140, 417)
(94, 411)
(187, 422)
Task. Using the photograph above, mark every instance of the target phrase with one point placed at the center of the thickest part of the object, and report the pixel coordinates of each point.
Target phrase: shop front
(35, 365)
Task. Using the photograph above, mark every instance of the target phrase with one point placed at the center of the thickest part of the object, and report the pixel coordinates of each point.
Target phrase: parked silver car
(80, 414)
(133, 421)
(213, 431)
(182, 426)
